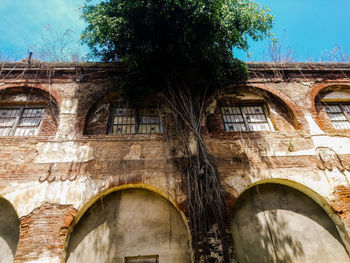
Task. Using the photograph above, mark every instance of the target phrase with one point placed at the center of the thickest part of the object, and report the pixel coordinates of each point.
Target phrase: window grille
(142, 259)
(130, 121)
(20, 121)
(339, 114)
(245, 118)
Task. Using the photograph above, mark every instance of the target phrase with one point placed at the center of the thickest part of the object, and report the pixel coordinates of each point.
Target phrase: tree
(184, 49)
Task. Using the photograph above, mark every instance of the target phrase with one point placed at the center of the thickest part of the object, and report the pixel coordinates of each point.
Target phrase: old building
(87, 177)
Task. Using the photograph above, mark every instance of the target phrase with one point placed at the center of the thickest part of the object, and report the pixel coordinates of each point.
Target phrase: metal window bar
(29, 122)
(8, 119)
(20, 121)
(233, 119)
(245, 118)
(256, 118)
(148, 121)
(339, 116)
(131, 121)
(124, 121)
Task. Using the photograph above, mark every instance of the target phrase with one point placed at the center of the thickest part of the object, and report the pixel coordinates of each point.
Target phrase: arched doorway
(277, 223)
(9, 231)
(127, 226)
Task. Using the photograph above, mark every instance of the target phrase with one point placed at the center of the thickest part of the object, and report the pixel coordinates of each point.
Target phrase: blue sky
(23, 22)
(309, 28)
(306, 29)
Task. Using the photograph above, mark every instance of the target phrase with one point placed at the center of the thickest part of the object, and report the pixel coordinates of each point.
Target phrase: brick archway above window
(27, 111)
(331, 106)
(114, 115)
(42, 89)
(251, 108)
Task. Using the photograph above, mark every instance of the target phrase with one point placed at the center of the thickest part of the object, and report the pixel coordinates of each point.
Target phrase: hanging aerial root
(201, 180)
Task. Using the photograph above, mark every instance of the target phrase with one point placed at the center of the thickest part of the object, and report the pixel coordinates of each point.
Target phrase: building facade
(88, 177)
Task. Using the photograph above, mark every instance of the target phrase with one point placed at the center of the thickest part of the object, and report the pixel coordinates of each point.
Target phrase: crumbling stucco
(63, 152)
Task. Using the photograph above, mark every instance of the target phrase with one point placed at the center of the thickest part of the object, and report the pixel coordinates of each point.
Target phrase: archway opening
(277, 223)
(128, 225)
(9, 231)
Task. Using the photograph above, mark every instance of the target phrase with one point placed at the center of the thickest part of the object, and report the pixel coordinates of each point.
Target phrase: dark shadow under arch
(9, 231)
(277, 223)
(129, 222)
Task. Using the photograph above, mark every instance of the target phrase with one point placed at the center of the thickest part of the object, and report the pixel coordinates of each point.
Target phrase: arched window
(339, 115)
(27, 112)
(113, 115)
(333, 108)
(246, 117)
(249, 109)
(134, 120)
(20, 121)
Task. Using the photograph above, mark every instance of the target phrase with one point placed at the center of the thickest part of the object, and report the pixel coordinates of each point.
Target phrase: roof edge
(252, 66)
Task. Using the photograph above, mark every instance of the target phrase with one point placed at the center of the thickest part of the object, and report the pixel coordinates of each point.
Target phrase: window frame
(132, 259)
(18, 117)
(137, 123)
(340, 104)
(246, 123)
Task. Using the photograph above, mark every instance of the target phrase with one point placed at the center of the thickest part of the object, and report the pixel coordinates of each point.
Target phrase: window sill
(124, 137)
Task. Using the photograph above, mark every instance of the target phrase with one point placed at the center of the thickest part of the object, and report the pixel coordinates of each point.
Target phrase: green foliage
(162, 39)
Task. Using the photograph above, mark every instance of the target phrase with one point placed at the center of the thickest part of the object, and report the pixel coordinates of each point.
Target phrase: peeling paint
(69, 106)
(29, 196)
(63, 152)
(45, 259)
(314, 128)
(135, 153)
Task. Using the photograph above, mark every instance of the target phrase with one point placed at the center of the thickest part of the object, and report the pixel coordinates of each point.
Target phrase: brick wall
(44, 231)
(49, 187)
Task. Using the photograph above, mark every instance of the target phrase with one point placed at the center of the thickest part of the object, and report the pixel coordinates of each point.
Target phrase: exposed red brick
(44, 231)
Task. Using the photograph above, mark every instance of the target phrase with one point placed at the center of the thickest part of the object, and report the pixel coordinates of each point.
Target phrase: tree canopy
(190, 38)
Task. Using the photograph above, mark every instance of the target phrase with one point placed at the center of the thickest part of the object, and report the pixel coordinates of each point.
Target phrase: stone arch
(136, 220)
(9, 231)
(294, 224)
